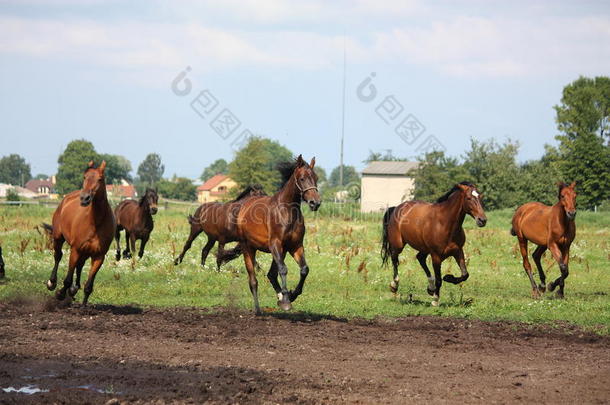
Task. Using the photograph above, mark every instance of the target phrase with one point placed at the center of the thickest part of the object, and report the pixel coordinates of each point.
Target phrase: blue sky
(103, 70)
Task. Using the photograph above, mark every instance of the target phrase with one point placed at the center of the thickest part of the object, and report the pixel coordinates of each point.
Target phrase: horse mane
(455, 188)
(143, 198)
(286, 169)
(246, 192)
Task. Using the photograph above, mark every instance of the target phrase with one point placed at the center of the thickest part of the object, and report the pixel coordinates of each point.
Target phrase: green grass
(498, 288)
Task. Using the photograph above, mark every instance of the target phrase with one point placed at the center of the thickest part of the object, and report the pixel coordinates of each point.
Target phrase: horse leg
(76, 286)
(143, 243)
(132, 242)
(272, 276)
(195, 231)
(277, 251)
(438, 281)
(206, 249)
(73, 261)
(461, 261)
(117, 237)
(394, 253)
(221, 249)
(127, 251)
(299, 257)
(421, 258)
(563, 260)
(58, 253)
(528, 267)
(249, 258)
(537, 255)
(96, 263)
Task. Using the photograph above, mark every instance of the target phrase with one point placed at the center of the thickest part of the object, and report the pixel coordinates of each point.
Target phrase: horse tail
(47, 228)
(385, 243)
(191, 220)
(226, 255)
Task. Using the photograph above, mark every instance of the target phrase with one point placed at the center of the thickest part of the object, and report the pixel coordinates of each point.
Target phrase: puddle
(96, 389)
(28, 390)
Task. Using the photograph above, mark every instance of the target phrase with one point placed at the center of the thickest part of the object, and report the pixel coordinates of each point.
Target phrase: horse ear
(90, 164)
(561, 184)
(462, 187)
(300, 161)
(102, 166)
(573, 185)
(313, 162)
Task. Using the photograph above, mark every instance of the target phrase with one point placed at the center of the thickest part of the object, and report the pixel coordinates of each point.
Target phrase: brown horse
(432, 229)
(1, 264)
(275, 225)
(135, 217)
(84, 219)
(218, 221)
(550, 228)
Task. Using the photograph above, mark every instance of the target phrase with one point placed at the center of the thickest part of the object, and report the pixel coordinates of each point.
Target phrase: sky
(191, 80)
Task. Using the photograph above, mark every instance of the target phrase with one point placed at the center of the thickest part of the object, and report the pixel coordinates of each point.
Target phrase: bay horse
(218, 221)
(84, 219)
(275, 224)
(135, 217)
(551, 228)
(434, 229)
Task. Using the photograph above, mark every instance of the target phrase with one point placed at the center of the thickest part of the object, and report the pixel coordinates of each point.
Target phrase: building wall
(204, 196)
(379, 192)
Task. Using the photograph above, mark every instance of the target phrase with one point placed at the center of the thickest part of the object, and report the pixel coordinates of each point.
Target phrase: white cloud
(460, 46)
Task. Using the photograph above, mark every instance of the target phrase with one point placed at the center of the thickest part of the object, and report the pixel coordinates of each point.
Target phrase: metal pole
(342, 115)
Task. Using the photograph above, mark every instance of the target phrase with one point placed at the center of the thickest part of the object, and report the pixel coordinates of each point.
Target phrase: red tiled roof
(34, 185)
(128, 191)
(212, 182)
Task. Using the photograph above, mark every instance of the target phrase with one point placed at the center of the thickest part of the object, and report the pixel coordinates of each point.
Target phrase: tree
(151, 169)
(117, 168)
(435, 175)
(539, 177)
(378, 156)
(219, 166)
(256, 163)
(178, 188)
(322, 178)
(72, 164)
(583, 119)
(14, 170)
(41, 176)
(350, 175)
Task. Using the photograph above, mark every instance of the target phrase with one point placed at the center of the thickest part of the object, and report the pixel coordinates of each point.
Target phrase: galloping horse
(83, 219)
(275, 225)
(550, 228)
(136, 219)
(218, 220)
(432, 229)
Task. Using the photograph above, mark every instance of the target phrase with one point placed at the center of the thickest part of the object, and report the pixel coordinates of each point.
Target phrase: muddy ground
(107, 354)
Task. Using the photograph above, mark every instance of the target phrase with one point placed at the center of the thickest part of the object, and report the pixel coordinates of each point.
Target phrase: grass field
(346, 277)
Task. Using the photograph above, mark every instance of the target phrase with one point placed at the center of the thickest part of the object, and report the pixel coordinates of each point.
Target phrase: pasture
(155, 332)
(346, 278)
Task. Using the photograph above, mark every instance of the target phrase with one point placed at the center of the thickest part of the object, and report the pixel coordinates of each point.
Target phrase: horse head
(93, 182)
(150, 199)
(306, 181)
(472, 202)
(567, 198)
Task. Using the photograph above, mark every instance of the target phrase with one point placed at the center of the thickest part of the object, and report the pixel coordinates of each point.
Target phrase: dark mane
(143, 198)
(246, 192)
(286, 169)
(445, 196)
(561, 185)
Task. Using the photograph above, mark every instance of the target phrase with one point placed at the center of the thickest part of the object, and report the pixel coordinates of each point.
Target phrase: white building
(386, 184)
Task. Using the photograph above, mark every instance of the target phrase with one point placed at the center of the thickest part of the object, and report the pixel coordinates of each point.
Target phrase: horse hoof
(284, 305)
(535, 294)
(117, 257)
(51, 285)
(60, 295)
(552, 287)
(542, 288)
(434, 303)
(450, 278)
(393, 288)
(72, 291)
(430, 292)
(560, 295)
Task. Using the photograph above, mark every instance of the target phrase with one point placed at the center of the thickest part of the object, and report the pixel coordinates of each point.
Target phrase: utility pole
(342, 116)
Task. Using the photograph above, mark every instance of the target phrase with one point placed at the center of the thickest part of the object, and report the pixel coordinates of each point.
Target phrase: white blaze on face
(475, 194)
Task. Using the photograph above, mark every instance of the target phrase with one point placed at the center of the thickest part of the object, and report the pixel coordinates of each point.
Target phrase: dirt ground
(107, 354)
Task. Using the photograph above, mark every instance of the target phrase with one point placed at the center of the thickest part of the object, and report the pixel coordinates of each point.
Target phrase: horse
(434, 229)
(217, 220)
(275, 224)
(551, 228)
(84, 219)
(135, 217)
(2, 273)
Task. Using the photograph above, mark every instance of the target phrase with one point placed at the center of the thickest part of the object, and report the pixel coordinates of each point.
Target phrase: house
(386, 184)
(21, 191)
(122, 191)
(41, 187)
(215, 188)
